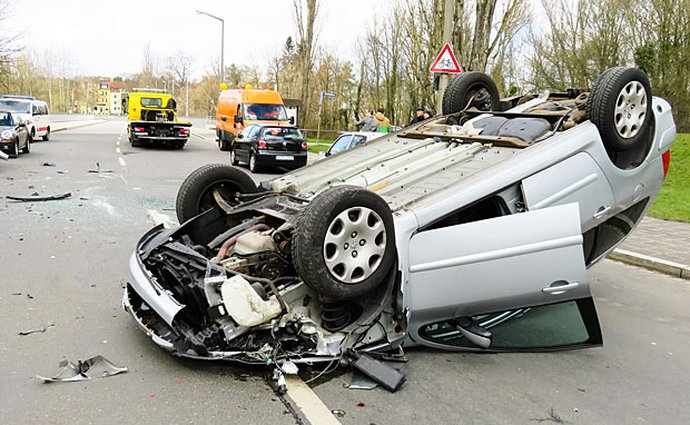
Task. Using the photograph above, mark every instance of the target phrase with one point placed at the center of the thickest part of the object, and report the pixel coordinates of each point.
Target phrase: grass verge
(673, 202)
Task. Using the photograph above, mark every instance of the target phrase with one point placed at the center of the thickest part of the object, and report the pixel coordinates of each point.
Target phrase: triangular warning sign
(445, 62)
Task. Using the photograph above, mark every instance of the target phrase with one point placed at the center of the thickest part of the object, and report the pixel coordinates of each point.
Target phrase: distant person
(419, 116)
(384, 122)
(367, 123)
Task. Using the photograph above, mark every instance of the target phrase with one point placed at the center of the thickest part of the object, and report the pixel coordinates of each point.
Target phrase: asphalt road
(62, 264)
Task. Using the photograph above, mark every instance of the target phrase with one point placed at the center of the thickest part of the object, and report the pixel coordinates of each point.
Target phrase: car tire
(46, 137)
(223, 144)
(233, 157)
(252, 164)
(463, 88)
(32, 134)
(14, 153)
(27, 146)
(620, 105)
(344, 243)
(196, 192)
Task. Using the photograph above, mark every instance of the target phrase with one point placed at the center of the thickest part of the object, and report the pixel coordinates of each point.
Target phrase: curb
(651, 263)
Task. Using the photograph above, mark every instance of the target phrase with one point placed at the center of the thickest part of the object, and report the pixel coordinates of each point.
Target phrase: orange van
(240, 107)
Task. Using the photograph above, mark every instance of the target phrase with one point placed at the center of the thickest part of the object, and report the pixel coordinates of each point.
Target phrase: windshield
(16, 106)
(151, 102)
(258, 111)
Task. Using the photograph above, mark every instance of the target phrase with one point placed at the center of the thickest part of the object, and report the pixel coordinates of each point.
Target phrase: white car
(470, 231)
(33, 112)
(352, 139)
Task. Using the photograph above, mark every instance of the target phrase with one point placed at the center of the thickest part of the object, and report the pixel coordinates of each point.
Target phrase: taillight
(139, 129)
(304, 145)
(262, 144)
(666, 159)
(184, 132)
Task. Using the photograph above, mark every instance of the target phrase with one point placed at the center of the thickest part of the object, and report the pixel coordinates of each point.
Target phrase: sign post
(327, 95)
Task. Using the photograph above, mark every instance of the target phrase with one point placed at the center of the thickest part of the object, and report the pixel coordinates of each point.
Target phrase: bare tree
(305, 17)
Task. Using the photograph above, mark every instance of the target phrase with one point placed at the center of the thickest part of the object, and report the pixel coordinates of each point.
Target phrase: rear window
(16, 106)
(151, 102)
(281, 132)
(264, 112)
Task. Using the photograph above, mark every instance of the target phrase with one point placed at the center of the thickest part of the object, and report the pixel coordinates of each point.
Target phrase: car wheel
(233, 157)
(14, 153)
(252, 164)
(27, 146)
(620, 105)
(196, 193)
(471, 89)
(32, 135)
(223, 144)
(46, 137)
(344, 245)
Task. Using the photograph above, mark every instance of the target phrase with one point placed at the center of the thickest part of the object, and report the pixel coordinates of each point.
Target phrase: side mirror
(223, 118)
(292, 120)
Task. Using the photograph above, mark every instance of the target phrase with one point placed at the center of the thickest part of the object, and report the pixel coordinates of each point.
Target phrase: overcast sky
(108, 38)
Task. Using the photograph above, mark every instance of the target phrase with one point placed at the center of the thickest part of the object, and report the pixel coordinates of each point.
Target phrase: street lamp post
(222, 40)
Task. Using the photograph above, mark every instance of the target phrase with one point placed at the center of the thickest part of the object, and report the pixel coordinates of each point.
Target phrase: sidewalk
(659, 245)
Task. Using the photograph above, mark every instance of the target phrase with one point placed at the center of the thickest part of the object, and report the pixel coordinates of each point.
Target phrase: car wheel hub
(354, 244)
(631, 109)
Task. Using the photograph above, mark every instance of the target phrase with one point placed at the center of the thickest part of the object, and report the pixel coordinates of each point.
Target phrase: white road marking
(118, 143)
(311, 406)
(118, 151)
(122, 161)
(160, 218)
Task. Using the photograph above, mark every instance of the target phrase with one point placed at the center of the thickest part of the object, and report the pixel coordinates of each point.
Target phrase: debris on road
(35, 198)
(360, 382)
(48, 164)
(338, 412)
(98, 169)
(35, 331)
(95, 367)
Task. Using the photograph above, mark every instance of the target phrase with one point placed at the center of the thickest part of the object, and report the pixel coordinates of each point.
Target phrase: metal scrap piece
(360, 381)
(95, 367)
(39, 198)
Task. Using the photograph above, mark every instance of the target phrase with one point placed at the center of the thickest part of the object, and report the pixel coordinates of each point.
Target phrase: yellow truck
(153, 119)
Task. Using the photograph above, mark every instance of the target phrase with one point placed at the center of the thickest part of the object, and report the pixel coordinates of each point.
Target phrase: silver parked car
(471, 231)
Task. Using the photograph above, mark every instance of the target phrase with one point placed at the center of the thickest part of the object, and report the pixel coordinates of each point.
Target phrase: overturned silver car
(470, 231)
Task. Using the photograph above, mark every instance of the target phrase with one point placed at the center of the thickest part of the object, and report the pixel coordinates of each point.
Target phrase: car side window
(340, 144)
(358, 141)
(35, 110)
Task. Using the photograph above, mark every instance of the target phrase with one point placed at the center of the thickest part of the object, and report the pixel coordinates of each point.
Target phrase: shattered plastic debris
(48, 164)
(338, 412)
(289, 368)
(36, 198)
(95, 367)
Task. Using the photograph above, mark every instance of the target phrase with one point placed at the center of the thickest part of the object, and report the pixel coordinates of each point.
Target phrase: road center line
(118, 151)
(309, 403)
(122, 161)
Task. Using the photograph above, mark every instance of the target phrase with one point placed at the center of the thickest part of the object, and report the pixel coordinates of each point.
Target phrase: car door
(21, 130)
(242, 143)
(468, 281)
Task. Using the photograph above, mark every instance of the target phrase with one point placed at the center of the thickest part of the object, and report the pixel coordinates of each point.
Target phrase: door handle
(601, 211)
(559, 287)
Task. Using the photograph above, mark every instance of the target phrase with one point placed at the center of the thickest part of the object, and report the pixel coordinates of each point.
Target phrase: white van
(33, 112)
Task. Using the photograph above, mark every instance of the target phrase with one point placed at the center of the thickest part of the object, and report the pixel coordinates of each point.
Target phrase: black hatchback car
(265, 146)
